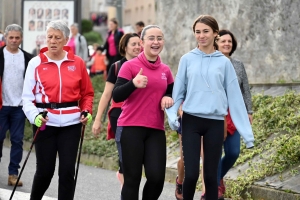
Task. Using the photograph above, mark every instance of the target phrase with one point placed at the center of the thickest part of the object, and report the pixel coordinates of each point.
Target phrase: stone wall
(267, 32)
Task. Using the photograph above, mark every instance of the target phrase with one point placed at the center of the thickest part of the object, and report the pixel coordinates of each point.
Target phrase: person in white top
(13, 64)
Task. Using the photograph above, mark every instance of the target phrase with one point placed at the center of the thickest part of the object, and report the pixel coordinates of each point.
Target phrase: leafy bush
(276, 127)
(86, 26)
(93, 37)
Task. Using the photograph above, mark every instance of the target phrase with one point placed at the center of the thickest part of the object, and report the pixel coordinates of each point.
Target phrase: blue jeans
(12, 119)
(232, 146)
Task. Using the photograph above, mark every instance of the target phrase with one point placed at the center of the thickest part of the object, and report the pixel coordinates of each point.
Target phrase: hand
(180, 111)
(166, 102)
(39, 120)
(140, 81)
(250, 118)
(96, 127)
(86, 118)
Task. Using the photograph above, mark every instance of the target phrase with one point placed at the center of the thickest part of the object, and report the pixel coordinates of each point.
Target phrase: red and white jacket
(45, 82)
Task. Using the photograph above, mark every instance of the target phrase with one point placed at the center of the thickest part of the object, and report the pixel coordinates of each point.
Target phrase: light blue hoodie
(208, 85)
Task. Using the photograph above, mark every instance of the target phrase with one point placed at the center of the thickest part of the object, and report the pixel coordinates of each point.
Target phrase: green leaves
(276, 123)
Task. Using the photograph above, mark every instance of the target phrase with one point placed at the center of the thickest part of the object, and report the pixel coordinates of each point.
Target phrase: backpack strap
(117, 67)
(79, 38)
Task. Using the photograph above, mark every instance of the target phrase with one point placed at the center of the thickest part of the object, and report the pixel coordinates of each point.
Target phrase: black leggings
(113, 123)
(142, 146)
(213, 134)
(49, 142)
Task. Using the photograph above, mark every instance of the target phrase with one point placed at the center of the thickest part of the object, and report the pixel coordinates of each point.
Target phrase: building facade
(10, 12)
(138, 10)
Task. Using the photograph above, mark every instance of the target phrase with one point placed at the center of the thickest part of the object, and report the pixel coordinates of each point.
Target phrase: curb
(110, 163)
(264, 193)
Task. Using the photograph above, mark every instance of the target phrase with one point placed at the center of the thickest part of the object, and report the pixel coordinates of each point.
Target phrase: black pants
(113, 122)
(142, 146)
(213, 133)
(49, 142)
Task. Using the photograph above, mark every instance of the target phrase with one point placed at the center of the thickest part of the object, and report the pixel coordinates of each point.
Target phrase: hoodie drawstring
(206, 79)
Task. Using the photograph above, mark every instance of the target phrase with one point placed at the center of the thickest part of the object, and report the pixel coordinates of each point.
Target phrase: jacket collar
(44, 58)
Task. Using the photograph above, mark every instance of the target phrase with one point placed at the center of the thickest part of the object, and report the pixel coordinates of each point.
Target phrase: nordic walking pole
(79, 154)
(33, 141)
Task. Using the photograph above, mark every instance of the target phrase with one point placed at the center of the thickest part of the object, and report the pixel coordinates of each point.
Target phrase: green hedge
(86, 26)
(93, 37)
(276, 127)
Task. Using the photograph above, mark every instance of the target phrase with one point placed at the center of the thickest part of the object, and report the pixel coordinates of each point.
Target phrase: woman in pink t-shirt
(145, 85)
(112, 42)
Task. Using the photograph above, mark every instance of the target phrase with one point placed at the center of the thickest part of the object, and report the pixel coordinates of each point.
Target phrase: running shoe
(222, 186)
(178, 191)
(202, 197)
(220, 193)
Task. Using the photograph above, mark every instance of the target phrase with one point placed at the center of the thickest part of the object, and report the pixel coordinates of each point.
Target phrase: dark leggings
(49, 142)
(213, 133)
(142, 146)
(113, 122)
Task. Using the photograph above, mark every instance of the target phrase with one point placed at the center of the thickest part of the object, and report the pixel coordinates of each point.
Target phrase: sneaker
(12, 180)
(202, 197)
(220, 193)
(178, 191)
(222, 186)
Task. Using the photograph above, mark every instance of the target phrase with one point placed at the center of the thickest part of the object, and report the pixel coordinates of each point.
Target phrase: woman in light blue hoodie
(208, 85)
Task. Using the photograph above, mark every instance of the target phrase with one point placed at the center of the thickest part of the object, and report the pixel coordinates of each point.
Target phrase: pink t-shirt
(112, 50)
(142, 108)
(71, 44)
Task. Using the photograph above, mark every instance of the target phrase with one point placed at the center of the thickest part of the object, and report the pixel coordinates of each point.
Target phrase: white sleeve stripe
(42, 90)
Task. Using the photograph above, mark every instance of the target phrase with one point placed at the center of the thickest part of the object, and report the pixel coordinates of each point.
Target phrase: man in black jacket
(13, 64)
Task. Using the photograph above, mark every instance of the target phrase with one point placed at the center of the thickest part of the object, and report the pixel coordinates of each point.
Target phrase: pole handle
(45, 114)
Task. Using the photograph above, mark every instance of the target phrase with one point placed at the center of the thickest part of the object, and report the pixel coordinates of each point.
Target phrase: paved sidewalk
(5, 195)
(92, 183)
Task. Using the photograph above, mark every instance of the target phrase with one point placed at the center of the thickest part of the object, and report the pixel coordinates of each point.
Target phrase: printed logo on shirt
(45, 68)
(163, 76)
(71, 68)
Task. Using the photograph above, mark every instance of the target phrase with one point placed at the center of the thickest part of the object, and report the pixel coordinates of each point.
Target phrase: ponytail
(215, 42)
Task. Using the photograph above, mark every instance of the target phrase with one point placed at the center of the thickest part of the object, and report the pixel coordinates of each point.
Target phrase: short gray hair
(59, 25)
(75, 25)
(146, 28)
(13, 27)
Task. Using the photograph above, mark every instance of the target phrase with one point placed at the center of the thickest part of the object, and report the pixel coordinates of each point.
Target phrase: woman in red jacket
(57, 81)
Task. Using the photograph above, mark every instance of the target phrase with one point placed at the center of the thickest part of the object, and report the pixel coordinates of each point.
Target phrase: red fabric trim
(57, 112)
(86, 88)
(110, 134)
(230, 125)
(66, 48)
(1, 94)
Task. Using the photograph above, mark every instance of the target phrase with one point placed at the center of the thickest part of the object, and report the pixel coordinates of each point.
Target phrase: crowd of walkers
(208, 103)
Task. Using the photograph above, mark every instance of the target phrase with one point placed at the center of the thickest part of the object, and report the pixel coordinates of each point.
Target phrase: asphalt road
(92, 183)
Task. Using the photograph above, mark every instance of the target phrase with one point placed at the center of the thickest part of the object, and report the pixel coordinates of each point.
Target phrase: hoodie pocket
(207, 103)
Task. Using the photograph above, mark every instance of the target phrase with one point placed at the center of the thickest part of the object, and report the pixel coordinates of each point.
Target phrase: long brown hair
(209, 21)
